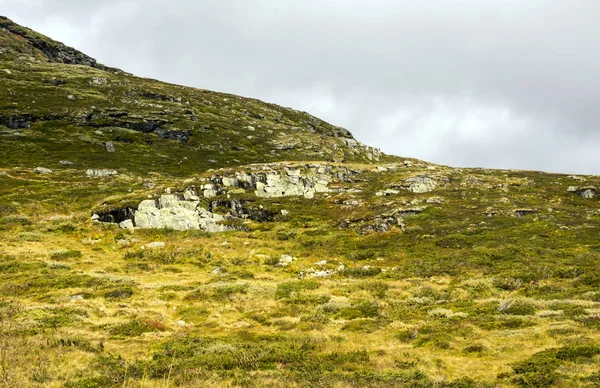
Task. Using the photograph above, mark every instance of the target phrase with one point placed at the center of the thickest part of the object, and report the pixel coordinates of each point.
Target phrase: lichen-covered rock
(42, 170)
(419, 184)
(292, 183)
(100, 173)
(172, 211)
(587, 192)
(110, 147)
(127, 224)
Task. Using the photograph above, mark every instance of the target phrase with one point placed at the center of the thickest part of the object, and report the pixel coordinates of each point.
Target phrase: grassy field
(457, 299)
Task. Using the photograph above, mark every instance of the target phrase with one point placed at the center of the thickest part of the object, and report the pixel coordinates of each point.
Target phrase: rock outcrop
(419, 184)
(172, 211)
(278, 180)
(100, 173)
(586, 192)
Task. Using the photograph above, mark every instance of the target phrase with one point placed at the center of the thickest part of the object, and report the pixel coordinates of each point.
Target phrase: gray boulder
(100, 173)
(42, 170)
(419, 184)
(172, 211)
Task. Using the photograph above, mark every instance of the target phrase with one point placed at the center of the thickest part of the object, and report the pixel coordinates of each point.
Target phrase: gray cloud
(495, 83)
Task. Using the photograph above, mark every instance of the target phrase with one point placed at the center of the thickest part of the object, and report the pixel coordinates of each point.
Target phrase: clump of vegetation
(65, 254)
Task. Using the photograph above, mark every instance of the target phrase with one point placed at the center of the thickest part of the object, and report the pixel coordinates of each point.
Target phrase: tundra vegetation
(401, 273)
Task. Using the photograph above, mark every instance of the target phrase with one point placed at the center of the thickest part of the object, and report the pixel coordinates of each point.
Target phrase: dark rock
(54, 82)
(238, 209)
(16, 122)
(524, 212)
(116, 216)
(183, 136)
(124, 140)
(159, 97)
(143, 126)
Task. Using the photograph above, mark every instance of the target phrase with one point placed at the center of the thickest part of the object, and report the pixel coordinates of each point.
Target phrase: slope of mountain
(261, 246)
(58, 103)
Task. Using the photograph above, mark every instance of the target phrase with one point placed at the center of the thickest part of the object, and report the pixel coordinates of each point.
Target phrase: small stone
(110, 146)
(148, 185)
(71, 97)
(7, 71)
(95, 217)
(65, 162)
(181, 323)
(217, 271)
(436, 200)
(98, 132)
(285, 212)
(75, 298)
(42, 170)
(225, 243)
(572, 189)
(285, 260)
(127, 224)
(157, 244)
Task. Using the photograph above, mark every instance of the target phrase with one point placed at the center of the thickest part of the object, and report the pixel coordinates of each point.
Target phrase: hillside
(158, 235)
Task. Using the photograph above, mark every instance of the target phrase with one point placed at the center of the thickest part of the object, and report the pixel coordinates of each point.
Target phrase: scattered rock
(154, 245)
(98, 81)
(65, 162)
(116, 215)
(286, 260)
(413, 211)
(100, 173)
(490, 212)
(42, 170)
(110, 147)
(524, 212)
(587, 192)
(181, 323)
(76, 298)
(436, 200)
(217, 271)
(387, 192)
(148, 185)
(419, 184)
(127, 224)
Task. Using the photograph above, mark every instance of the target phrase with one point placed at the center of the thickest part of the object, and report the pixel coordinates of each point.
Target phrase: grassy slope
(457, 299)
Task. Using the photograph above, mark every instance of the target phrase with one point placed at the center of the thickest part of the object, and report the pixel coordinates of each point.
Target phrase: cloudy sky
(492, 83)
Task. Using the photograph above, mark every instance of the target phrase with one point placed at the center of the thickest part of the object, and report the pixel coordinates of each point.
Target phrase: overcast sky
(492, 83)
